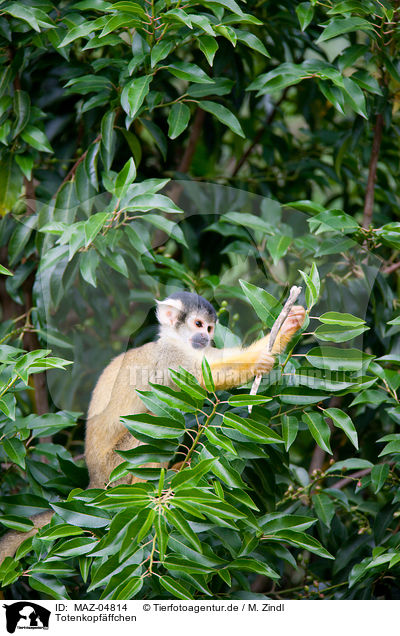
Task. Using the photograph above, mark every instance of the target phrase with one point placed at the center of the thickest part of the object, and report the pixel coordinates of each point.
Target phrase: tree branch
(175, 190)
(74, 168)
(369, 194)
(293, 296)
(260, 133)
(31, 343)
(348, 480)
(391, 268)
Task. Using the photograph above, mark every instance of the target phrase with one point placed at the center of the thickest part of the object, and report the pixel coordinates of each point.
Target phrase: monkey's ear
(168, 311)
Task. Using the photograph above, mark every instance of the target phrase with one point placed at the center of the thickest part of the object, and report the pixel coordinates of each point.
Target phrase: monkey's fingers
(294, 321)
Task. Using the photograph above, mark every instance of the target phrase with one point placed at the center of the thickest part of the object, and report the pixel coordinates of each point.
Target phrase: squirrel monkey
(187, 323)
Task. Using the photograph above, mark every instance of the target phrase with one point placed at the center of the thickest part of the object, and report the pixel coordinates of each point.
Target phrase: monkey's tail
(12, 540)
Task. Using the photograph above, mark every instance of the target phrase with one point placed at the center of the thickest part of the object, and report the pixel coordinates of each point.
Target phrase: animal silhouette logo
(26, 615)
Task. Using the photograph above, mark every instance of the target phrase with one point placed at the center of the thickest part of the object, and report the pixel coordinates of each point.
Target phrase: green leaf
(178, 119)
(36, 138)
(190, 72)
(128, 588)
(169, 227)
(335, 359)
(5, 271)
(223, 115)
(134, 93)
(338, 26)
(8, 402)
(338, 333)
(337, 318)
(191, 476)
(231, 5)
(209, 46)
(324, 508)
(343, 421)
(302, 540)
(125, 178)
(188, 383)
(25, 163)
(129, 7)
(22, 110)
(353, 463)
(207, 376)
(93, 226)
(278, 246)
(266, 306)
(174, 587)
(15, 450)
(248, 221)
(355, 97)
(290, 427)
(77, 513)
(219, 440)
(305, 13)
(10, 187)
(49, 586)
(178, 520)
(367, 82)
(247, 399)
(117, 262)
(79, 31)
(312, 291)
(392, 447)
(252, 429)
(276, 521)
(88, 264)
(16, 523)
(74, 547)
(157, 135)
(23, 12)
(160, 51)
(379, 474)
(252, 565)
(252, 41)
(60, 531)
(154, 426)
(319, 429)
(333, 220)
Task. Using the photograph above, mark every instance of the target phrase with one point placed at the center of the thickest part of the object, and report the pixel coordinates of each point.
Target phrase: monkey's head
(189, 317)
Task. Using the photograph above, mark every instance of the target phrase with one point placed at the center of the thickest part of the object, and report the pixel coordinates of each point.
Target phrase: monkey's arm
(233, 367)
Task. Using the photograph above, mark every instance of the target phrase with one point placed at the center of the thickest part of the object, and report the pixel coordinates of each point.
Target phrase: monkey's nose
(200, 340)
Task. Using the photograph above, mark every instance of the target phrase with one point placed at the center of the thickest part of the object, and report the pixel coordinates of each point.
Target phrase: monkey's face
(199, 330)
(188, 318)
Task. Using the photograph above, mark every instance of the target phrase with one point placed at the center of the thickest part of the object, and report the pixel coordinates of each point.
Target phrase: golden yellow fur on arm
(236, 366)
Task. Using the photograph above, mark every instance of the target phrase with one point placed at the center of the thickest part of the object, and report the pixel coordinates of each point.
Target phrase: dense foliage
(229, 149)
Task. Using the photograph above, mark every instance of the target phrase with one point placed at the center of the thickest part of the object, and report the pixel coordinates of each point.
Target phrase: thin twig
(293, 296)
(260, 133)
(391, 268)
(369, 194)
(348, 480)
(74, 168)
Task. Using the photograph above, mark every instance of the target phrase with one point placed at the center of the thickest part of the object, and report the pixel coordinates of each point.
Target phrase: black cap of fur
(193, 303)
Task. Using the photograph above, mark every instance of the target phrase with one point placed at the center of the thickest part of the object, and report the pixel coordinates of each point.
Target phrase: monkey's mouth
(199, 341)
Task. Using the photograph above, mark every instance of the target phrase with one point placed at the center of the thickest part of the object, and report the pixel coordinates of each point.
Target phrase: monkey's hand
(294, 321)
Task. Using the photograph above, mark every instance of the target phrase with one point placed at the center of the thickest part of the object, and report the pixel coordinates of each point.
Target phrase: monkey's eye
(209, 329)
(198, 323)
